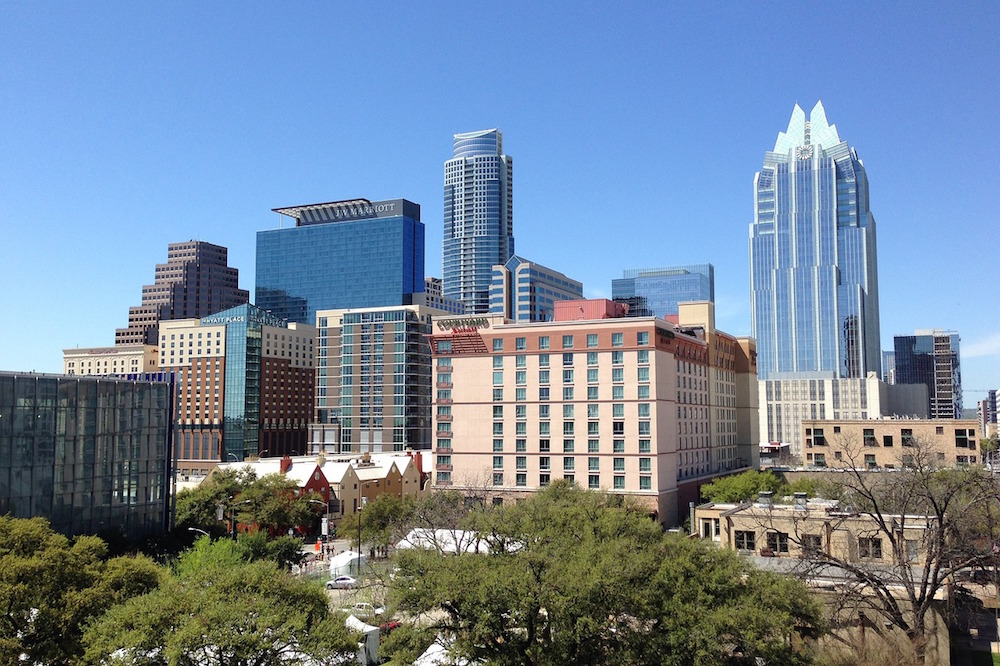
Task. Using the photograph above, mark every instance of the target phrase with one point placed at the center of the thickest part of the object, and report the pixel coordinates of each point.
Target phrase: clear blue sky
(635, 128)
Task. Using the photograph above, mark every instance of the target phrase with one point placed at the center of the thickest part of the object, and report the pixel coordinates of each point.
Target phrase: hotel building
(118, 360)
(244, 386)
(373, 380)
(621, 404)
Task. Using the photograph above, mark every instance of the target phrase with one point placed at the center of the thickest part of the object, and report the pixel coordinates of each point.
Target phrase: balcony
(444, 385)
(447, 434)
(444, 468)
(444, 418)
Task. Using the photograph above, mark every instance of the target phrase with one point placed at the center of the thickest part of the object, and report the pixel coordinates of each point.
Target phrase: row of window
(521, 480)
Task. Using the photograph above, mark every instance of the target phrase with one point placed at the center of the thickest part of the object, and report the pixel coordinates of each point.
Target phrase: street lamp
(325, 519)
(195, 529)
(230, 453)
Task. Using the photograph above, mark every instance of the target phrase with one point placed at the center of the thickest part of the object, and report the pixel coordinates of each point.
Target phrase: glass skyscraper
(813, 275)
(655, 292)
(526, 291)
(341, 254)
(478, 217)
(931, 357)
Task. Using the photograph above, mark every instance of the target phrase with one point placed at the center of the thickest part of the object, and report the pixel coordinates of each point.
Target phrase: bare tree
(905, 531)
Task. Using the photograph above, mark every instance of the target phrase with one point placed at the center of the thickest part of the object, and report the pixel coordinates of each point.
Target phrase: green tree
(385, 520)
(741, 487)
(217, 609)
(578, 577)
(198, 507)
(50, 587)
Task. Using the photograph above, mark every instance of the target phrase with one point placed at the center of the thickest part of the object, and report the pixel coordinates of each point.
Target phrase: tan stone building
(807, 526)
(119, 360)
(891, 443)
(623, 404)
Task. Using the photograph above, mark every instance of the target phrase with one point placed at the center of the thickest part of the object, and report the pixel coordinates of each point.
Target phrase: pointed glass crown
(801, 132)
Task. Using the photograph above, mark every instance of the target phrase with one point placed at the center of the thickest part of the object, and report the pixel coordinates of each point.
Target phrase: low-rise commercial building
(891, 443)
(117, 360)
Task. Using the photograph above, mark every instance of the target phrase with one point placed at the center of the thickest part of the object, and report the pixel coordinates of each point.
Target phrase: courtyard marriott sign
(460, 325)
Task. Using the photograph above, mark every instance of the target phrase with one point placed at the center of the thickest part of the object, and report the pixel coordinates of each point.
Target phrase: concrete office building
(433, 297)
(244, 386)
(342, 254)
(656, 292)
(118, 360)
(478, 217)
(930, 357)
(623, 404)
(196, 281)
(525, 291)
(373, 379)
(91, 455)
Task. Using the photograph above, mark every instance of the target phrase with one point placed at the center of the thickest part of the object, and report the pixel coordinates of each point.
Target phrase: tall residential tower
(478, 217)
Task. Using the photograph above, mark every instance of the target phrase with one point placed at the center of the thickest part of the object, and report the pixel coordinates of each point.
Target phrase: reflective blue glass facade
(478, 217)
(813, 271)
(525, 291)
(932, 358)
(345, 254)
(655, 292)
(92, 455)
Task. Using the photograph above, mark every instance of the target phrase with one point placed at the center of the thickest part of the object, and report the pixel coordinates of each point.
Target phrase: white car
(341, 583)
(364, 610)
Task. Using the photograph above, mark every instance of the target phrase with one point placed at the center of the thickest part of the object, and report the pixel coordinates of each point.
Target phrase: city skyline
(179, 118)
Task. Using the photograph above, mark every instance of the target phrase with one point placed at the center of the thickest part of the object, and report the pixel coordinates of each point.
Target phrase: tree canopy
(218, 609)
(51, 586)
(576, 577)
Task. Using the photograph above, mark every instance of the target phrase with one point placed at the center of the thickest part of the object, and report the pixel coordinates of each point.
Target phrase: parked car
(341, 583)
(364, 610)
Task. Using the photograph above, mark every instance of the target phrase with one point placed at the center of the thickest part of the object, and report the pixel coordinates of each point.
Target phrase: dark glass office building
(342, 254)
(656, 292)
(90, 454)
(931, 357)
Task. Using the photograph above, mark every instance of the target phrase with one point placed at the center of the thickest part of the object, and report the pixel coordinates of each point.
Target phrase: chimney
(800, 500)
(764, 498)
(286, 464)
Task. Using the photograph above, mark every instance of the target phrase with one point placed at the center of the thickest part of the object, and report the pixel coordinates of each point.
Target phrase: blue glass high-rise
(813, 272)
(655, 292)
(478, 217)
(342, 254)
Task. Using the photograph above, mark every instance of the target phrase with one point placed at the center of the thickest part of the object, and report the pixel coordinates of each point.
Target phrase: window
(593, 428)
(543, 393)
(592, 339)
(617, 339)
(568, 464)
(619, 483)
(617, 357)
(498, 361)
(644, 392)
(645, 465)
(498, 378)
(643, 446)
(567, 411)
(961, 438)
(870, 461)
(497, 462)
(642, 356)
(642, 338)
(568, 376)
(870, 548)
(520, 394)
(568, 358)
(593, 411)
(812, 543)
(498, 411)
(777, 542)
(567, 393)
(498, 478)
(591, 375)
(543, 480)
(543, 411)
(543, 342)
(869, 437)
(591, 358)
(444, 346)
(520, 361)
(645, 483)
(567, 341)
(498, 344)
(543, 428)
(906, 436)
(594, 481)
(520, 344)
(569, 427)
(543, 376)
(644, 410)
(497, 445)
(521, 462)
(521, 377)
(745, 540)
(618, 445)
(818, 438)
(618, 427)
(544, 462)
(543, 360)
(592, 393)
(521, 479)
(543, 445)
(568, 445)
(618, 392)
(617, 375)
(593, 445)
(594, 464)
(498, 428)
(497, 394)
(887, 440)
(619, 464)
